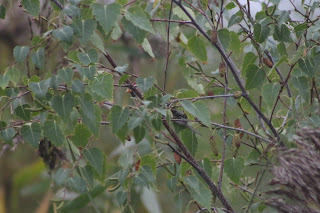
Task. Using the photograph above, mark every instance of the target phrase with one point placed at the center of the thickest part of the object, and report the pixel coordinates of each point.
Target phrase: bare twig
(223, 152)
(241, 130)
(168, 48)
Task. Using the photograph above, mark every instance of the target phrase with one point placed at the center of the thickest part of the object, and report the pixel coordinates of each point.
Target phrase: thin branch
(58, 4)
(223, 152)
(201, 98)
(168, 48)
(131, 2)
(175, 21)
(280, 91)
(241, 130)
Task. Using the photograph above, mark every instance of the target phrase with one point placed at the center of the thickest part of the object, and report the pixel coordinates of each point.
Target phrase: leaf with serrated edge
(199, 191)
(52, 131)
(139, 18)
(234, 168)
(31, 133)
(102, 85)
(190, 140)
(106, 15)
(198, 48)
(96, 158)
(63, 34)
(32, 6)
(84, 29)
(119, 117)
(63, 105)
(81, 136)
(38, 58)
(145, 83)
(20, 53)
(198, 110)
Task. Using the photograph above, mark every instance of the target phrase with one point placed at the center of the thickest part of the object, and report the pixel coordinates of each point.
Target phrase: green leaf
(22, 112)
(138, 17)
(107, 15)
(93, 123)
(235, 18)
(234, 168)
(87, 107)
(102, 85)
(63, 105)
(2, 12)
(82, 200)
(207, 166)
(302, 85)
(198, 48)
(138, 34)
(235, 44)
(89, 71)
(77, 86)
(119, 117)
(179, 12)
(77, 184)
(145, 83)
(255, 77)
(121, 69)
(270, 93)
(31, 133)
(199, 191)
(61, 176)
(71, 10)
(297, 56)
(4, 80)
(52, 131)
(81, 136)
(282, 50)
(282, 33)
(283, 17)
(20, 53)
(7, 135)
(63, 34)
(13, 75)
(66, 75)
(145, 177)
(230, 6)
(224, 37)
(261, 33)
(147, 47)
(190, 140)
(139, 133)
(134, 122)
(38, 58)
(306, 66)
(249, 58)
(32, 6)
(97, 41)
(197, 109)
(84, 29)
(116, 32)
(40, 88)
(90, 57)
(96, 158)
